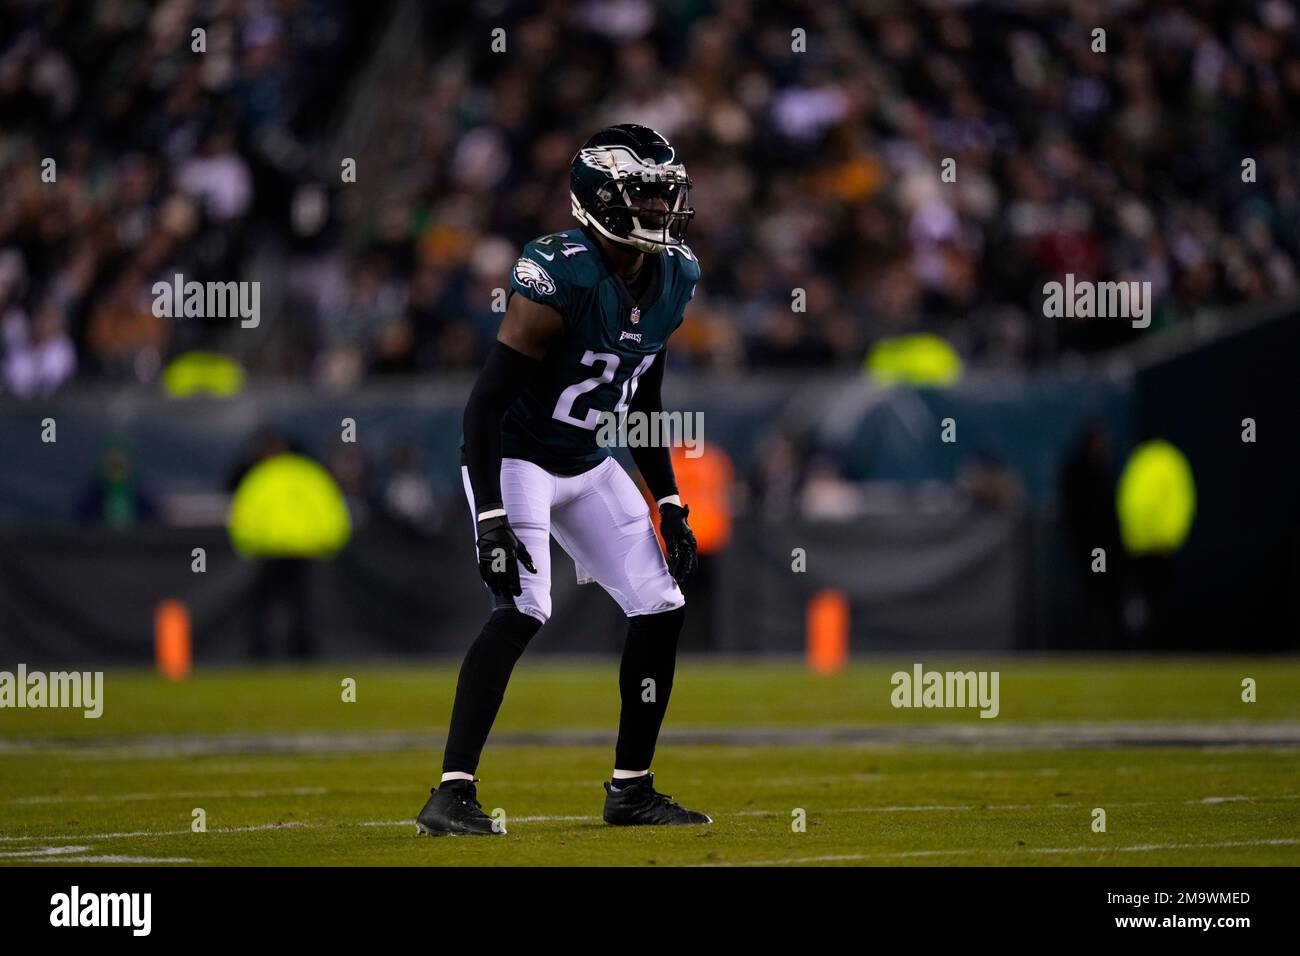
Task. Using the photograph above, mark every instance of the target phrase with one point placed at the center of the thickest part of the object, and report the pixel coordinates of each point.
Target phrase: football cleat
(627, 183)
(639, 804)
(453, 810)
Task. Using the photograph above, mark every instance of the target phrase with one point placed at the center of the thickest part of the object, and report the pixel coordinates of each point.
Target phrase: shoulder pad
(684, 273)
(688, 267)
(567, 258)
(557, 270)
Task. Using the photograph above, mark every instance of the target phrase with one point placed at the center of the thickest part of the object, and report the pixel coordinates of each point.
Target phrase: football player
(584, 334)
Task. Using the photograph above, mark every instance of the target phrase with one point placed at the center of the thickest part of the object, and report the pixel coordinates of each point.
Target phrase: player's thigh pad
(527, 492)
(605, 527)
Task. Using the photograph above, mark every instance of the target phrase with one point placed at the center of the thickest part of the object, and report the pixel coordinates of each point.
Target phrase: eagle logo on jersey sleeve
(531, 274)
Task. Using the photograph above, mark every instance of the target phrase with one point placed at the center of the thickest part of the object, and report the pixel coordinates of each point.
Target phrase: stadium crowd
(816, 158)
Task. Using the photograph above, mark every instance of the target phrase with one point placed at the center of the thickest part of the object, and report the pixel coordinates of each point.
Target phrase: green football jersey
(609, 342)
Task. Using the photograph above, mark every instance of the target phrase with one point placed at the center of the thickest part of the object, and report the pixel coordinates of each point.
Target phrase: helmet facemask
(645, 205)
(659, 212)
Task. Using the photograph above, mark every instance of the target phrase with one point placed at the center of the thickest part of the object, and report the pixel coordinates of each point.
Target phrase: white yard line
(146, 834)
(117, 859)
(83, 854)
(577, 818)
(43, 851)
(384, 823)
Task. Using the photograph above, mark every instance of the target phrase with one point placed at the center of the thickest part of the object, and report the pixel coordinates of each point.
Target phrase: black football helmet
(627, 183)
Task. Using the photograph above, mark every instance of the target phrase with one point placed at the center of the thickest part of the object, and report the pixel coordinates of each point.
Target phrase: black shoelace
(663, 799)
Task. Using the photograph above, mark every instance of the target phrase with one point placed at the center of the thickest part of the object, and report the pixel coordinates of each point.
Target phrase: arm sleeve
(655, 464)
(504, 376)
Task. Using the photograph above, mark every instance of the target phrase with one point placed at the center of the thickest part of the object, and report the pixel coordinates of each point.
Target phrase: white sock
(456, 775)
(628, 775)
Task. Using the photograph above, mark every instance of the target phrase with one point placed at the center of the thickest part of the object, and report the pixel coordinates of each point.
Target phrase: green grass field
(287, 773)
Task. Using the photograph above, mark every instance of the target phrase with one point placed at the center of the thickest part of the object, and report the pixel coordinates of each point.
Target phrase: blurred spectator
(266, 443)
(705, 480)
(123, 335)
(986, 482)
(1088, 502)
(281, 605)
(352, 471)
(39, 356)
(816, 170)
(778, 473)
(409, 497)
(115, 496)
(705, 477)
(829, 496)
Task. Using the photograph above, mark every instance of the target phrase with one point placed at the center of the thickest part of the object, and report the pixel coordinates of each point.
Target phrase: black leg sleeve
(482, 685)
(645, 682)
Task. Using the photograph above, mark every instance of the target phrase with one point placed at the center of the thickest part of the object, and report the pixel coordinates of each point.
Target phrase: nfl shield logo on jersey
(636, 315)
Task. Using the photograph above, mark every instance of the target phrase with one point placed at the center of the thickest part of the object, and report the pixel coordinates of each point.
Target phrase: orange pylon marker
(171, 644)
(828, 632)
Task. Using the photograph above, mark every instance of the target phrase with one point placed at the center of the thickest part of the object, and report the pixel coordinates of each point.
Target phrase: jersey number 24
(564, 405)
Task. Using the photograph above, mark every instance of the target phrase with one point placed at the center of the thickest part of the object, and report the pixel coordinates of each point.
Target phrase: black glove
(500, 552)
(679, 541)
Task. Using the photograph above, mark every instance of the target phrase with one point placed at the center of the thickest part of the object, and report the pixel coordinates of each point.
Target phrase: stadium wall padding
(79, 596)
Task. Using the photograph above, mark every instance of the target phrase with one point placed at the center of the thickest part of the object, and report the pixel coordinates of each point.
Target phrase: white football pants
(600, 520)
